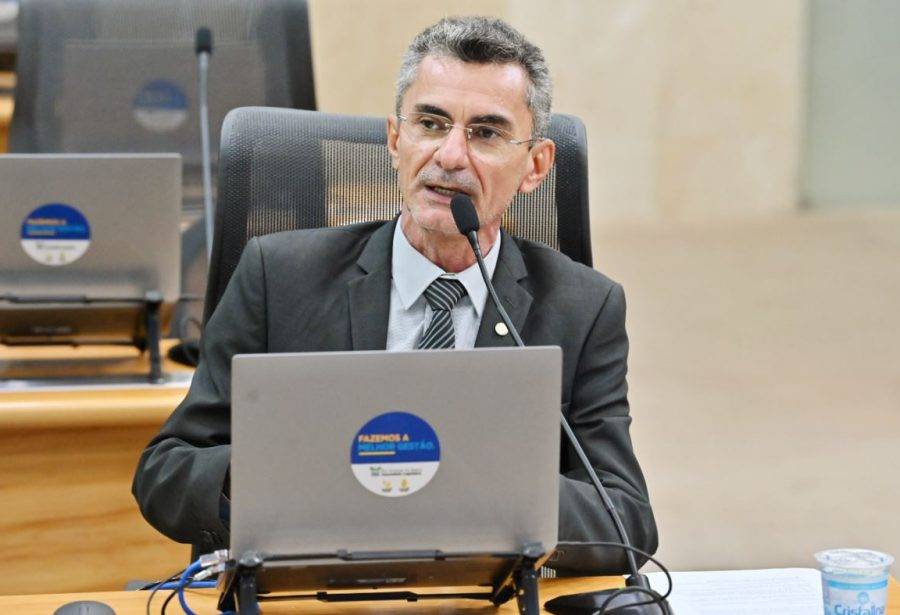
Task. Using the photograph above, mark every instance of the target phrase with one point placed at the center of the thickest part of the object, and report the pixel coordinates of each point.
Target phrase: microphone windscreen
(464, 213)
(204, 40)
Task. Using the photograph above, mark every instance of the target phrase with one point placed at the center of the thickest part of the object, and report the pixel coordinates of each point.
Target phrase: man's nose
(453, 151)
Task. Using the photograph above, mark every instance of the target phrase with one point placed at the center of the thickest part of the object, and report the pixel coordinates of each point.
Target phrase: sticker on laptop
(55, 234)
(160, 106)
(395, 454)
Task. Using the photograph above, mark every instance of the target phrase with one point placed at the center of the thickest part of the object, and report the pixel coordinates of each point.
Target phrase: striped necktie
(441, 295)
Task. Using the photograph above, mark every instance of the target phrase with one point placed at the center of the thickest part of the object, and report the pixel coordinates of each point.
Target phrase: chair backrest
(121, 75)
(283, 169)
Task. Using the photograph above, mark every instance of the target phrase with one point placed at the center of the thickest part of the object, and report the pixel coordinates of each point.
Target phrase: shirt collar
(413, 273)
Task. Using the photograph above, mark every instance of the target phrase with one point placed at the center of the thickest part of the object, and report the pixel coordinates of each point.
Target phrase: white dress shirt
(410, 314)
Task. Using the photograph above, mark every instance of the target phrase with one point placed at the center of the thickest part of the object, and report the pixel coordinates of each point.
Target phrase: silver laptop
(107, 104)
(92, 226)
(454, 451)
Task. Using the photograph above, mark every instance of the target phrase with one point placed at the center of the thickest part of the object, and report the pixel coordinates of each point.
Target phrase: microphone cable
(654, 596)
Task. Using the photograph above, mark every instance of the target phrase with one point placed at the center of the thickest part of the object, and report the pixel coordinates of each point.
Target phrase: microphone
(203, 49)
(466, 219)
(464, 215)
(204, 40)
(625, 601)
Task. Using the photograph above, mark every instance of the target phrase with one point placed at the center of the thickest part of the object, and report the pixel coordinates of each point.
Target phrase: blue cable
(189, 572)
(192, 585)
(183, 583)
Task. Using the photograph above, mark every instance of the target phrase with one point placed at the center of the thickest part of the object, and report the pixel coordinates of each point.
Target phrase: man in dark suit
(473, 100)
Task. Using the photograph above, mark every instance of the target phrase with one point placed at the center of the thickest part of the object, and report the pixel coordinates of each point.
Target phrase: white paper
(793, 591)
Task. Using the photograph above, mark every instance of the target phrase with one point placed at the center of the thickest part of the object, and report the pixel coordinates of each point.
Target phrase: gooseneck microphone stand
(637, 598)
(188, 350)
(204, 50)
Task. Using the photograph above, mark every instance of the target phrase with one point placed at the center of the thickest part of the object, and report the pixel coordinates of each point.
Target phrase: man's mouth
(446, 190)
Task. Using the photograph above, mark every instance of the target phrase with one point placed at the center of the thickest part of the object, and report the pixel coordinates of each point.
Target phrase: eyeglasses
(483, 139)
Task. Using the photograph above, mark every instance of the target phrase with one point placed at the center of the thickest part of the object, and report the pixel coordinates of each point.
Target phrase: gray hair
(485, 41)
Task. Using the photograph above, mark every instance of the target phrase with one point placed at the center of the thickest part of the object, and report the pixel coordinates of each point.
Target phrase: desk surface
(78, 361)
(85, 406)
(203, 602)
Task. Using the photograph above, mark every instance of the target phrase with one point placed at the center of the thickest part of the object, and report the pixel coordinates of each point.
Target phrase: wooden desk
(203, 602)
(24, 362)
(68, 521)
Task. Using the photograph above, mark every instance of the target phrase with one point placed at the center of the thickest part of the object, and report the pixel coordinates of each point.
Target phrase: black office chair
(121, 76)
(286, 169)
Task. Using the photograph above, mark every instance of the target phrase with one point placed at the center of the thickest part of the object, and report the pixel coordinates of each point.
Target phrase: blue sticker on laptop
(55, 234)
(395, 454)
(160, 106)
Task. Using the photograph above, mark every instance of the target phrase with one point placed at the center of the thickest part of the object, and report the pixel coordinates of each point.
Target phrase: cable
(194, 576)
(171, 595)
(169, 584)
(191, 585)
(655, 597)
(183, 581)
(195, 585)
(156, 587)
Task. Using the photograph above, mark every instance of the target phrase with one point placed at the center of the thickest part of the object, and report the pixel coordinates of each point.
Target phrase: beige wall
(764, 381)
(692, 106)
(357, 46)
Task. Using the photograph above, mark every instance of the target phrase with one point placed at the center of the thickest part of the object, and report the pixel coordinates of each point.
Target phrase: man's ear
(541, 157)
(393, 133)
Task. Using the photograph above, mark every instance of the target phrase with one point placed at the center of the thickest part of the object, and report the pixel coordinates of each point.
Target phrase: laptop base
(249, 580)
(56, 331)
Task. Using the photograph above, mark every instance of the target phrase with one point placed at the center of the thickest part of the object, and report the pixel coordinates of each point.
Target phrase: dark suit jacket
(329, 289)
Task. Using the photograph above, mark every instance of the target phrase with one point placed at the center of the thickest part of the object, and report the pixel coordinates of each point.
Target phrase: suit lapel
(514, 297)
(370, 294)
